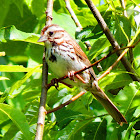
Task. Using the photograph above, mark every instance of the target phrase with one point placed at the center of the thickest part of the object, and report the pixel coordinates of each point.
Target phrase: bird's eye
(50, 33)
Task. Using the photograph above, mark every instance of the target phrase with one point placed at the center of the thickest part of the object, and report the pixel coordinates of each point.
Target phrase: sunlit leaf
(11, 33)
(14, 68)
(19, 83)
(129, 97)
(17, 117)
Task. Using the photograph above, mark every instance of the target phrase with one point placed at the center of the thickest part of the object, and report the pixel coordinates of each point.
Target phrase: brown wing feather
(79, 52)
(81, 55)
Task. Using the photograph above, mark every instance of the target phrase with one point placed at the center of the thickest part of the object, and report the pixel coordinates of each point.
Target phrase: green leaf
(31, 111)
(83, 129)
(18, 119)
(11, 33)
(115, 79)
(19, 4)
(37, 7)
(129, 97)
(11, 132)
(123, 30)
(61, 19)
(72, 129)
(129, 131)
(59, 6)
(13, 91)
(136, 1)
(98, 47)
(20, 68)
(101, 131)
(3, 10)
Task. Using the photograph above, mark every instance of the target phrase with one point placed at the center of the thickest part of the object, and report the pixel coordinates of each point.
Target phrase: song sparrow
(64, 56)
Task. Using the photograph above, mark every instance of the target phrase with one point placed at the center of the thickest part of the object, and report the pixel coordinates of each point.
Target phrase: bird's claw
(54, 82)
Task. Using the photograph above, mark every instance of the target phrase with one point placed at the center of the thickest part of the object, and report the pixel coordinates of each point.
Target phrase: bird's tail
(109, 106)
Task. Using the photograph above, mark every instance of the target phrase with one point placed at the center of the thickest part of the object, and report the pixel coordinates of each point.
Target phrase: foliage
(20, 72)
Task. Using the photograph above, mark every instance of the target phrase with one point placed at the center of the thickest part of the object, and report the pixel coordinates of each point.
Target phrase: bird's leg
(71, 76)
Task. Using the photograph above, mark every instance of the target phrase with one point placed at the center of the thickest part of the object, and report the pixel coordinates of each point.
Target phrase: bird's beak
(42, 39)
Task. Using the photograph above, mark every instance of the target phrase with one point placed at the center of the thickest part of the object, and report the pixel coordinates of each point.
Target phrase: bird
(64, 56)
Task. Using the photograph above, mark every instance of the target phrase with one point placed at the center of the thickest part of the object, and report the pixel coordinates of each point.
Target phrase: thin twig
(123, 6)
(42, 110)
(111, 39)
(74, 17)
(78, 24)
(112, 66)
(66, 103)
(131, 57)
(118, 59)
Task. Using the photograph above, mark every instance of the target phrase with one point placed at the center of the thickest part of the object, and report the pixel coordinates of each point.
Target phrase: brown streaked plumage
(64, 56)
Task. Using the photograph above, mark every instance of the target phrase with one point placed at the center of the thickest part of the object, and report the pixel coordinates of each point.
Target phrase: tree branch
(42, 110)
(131, 57)
(114, 64)
(123, 6)
(66, 103)
(111, 39)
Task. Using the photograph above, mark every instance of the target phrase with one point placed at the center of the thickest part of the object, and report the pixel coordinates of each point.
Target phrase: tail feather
(109, 106)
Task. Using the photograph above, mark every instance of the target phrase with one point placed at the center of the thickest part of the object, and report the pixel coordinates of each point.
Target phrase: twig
(114, 64)
(42, 110)
(78, 24)
(111, 39)
(66, 103)
(131, 57)
(49, 11)
(118, 59)
(123, 6)
(74, 17)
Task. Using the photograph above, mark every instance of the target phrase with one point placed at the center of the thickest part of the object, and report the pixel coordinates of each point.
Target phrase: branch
(114, 64)
(49, 11)
(42, 110)
(131, 57)
(66, 103)
(118, 59)
(123, 6)
(111, 39)
(74, 17)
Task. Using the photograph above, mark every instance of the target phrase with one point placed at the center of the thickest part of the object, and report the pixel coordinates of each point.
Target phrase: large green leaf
(129, 97)
(17, 117)
(65, 21)
(98, 47)
(83, 129)
(14, 89)
(11, 33)
(19, 4)
(4, 10)
(14, 68)
(123, 29)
